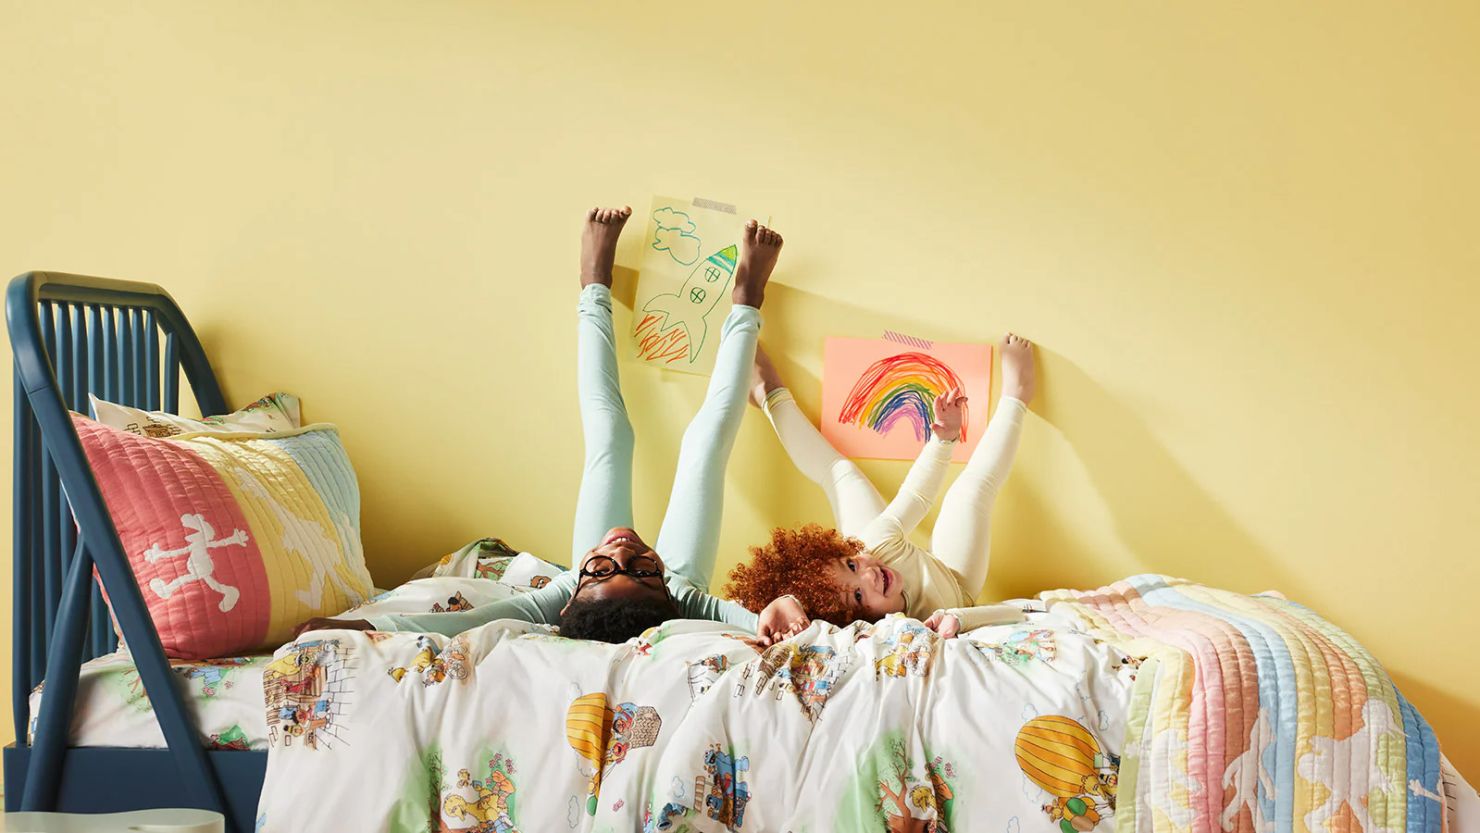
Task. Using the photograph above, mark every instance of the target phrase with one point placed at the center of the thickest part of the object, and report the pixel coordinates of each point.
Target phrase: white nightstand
(140, 821)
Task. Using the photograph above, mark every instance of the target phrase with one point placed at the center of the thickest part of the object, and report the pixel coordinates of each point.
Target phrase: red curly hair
(796, 562)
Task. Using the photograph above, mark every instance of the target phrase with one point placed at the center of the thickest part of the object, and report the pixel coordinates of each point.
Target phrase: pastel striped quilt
(1253, 714)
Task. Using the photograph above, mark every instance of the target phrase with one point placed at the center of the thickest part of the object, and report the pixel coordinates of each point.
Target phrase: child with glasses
(620, 586)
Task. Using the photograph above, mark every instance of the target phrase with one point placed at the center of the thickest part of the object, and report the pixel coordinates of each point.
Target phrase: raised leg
(689, 539)
(962, 537)
(605, 497)
(854, 499)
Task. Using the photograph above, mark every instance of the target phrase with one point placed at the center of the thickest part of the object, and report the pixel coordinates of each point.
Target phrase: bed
(1151, 705)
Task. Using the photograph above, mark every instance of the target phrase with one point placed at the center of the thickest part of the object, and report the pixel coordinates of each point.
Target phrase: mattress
(223, 697)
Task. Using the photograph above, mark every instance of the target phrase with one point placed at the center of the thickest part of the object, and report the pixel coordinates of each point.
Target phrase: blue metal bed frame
(74, 335)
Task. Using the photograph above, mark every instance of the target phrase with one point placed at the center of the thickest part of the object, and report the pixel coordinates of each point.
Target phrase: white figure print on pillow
(307, 539)
(199, 541)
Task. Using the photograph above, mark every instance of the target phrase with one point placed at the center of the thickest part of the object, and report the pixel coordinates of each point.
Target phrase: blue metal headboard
(74, 335)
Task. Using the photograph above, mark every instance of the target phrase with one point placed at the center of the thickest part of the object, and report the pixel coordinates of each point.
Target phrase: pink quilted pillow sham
(234, 538)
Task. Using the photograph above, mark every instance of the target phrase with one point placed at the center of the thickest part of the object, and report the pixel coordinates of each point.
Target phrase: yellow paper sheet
(684, 282)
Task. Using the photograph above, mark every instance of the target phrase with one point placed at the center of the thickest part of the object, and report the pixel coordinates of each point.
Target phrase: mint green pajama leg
(689, 539)
(605, 498)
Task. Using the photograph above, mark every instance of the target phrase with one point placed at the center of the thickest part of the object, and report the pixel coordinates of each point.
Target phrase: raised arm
(927, 474)
(540, 606)
(694, 603)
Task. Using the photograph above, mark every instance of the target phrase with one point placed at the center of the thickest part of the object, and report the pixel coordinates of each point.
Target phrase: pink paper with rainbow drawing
(878, 395)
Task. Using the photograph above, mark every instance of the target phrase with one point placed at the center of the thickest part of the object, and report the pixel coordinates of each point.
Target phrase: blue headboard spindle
(74, 335)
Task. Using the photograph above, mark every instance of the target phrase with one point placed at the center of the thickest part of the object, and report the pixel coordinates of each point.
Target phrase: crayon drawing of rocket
(673, 327)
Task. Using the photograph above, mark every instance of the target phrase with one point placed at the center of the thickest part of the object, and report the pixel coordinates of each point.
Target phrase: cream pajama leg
(962, 536)
(855, 501)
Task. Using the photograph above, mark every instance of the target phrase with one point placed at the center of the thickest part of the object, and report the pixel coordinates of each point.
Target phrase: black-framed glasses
(638, 567)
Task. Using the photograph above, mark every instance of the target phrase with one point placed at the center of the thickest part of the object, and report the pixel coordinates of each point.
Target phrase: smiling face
(627, 549)
(871, 589)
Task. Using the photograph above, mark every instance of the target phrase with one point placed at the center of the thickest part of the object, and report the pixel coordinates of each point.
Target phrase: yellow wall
(1244, 238)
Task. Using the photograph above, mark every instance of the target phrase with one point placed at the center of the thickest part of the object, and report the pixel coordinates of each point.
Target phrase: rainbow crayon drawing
(878, 395)
(899, 389)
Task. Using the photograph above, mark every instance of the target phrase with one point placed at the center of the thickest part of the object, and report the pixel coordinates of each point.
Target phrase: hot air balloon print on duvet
(1062, 757)
(602, 736)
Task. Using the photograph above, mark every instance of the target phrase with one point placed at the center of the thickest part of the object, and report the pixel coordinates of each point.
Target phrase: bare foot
(1017, 368)
(764, 378)
(759, 247)
(599, 243)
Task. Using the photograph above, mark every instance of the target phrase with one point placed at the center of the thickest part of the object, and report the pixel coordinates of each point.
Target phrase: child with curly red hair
(867, 567)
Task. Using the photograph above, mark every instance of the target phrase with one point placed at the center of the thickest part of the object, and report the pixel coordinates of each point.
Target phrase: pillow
(522, 573)
(272, 413)
(491, 558)
(234, 537)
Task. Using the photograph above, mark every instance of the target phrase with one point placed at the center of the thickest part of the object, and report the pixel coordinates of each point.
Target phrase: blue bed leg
(53, 722)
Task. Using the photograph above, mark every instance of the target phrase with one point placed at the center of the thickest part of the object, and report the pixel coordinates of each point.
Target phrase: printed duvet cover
(1149, 705)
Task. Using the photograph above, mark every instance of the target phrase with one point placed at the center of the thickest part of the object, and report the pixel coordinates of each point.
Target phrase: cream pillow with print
(272, 413)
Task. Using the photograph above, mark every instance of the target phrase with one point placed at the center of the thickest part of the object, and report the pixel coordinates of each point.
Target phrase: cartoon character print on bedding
(122, 678)
(721, 793)
(484, 799)
(907, 649)
(306, 688)
(603, 736)
(432, 666)
(895, 793)
(455, 603)
(705, 672)
(484, 558)
(1065, 759)
(1021, 647)
(213, 675)
(492, 569)
(808, 672)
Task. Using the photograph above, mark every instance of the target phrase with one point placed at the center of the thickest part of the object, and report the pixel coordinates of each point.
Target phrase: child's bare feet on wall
(759, 247)
(599, 243)
(764, 378)
(1017, 368)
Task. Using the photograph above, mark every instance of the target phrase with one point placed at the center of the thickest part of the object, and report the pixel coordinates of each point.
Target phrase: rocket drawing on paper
(675, 325)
